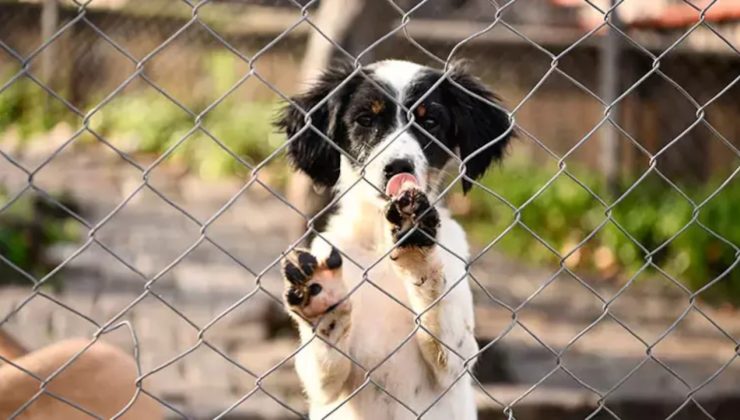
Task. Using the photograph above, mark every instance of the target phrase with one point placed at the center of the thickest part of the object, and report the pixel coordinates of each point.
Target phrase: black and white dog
(366, 358)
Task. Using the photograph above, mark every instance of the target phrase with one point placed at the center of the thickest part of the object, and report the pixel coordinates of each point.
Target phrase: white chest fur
(387, 366)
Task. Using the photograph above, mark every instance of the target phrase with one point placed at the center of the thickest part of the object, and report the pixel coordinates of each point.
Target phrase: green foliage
(153, 127)
(27, 229)
(246, 130)
(27, 107)
(141, 121)
(656, 217)
(144, 121)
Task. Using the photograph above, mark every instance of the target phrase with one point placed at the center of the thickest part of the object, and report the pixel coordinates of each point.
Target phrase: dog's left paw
(313, 287)
(414, 221)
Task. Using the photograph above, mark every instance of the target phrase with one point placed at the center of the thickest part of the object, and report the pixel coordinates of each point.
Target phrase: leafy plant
(652, 223)
(28, 228)
(148, 123)
(145, 122)
(26, 106)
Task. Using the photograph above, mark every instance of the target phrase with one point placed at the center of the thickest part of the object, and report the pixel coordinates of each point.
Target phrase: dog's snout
(398, 166)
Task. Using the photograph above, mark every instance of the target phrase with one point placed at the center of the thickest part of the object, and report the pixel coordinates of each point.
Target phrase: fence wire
(508, 408)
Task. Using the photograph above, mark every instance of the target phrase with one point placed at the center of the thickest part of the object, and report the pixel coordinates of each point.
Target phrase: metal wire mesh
(405, 15)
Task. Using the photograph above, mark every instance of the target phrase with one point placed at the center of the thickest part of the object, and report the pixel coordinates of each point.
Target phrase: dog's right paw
(414, 220)
(313, 287)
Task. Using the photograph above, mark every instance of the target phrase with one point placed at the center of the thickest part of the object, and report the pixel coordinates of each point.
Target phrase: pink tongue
(396, 183)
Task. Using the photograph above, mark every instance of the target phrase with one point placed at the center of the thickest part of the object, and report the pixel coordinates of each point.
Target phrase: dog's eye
(364, 120)
(429, 123)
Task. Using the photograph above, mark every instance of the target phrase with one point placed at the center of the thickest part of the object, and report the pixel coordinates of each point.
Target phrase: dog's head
(371, 136)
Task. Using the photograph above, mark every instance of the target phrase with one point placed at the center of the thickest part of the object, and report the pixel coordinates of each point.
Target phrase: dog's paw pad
(298, 266)
(312, 287)
(414, 221)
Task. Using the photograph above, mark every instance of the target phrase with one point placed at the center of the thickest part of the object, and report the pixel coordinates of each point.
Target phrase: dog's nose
(398, 166)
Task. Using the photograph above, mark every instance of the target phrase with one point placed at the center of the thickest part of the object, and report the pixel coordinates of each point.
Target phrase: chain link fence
(665, 120)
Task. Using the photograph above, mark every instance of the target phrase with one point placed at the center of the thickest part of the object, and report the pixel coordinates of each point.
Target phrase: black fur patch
(308, 150)
(481, 128)
(341, 117)
(463, 121)
(366, 123)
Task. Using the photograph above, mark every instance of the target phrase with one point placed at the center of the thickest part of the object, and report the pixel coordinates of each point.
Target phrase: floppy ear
(308, 151)
(481, 129)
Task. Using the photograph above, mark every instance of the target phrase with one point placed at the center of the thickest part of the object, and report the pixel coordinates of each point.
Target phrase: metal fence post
(49, 23)
(609, 89)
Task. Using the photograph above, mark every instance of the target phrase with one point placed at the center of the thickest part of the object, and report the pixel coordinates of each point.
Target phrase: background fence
(144, 195)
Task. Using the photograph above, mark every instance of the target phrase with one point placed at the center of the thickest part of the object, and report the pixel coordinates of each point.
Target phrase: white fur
(377, 325)
(396, 73)
(369, 181)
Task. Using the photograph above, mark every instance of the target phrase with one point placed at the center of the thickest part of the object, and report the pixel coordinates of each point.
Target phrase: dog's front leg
(314, 296)
(446, 337)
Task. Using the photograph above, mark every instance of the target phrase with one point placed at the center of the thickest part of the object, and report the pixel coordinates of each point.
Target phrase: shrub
(28, 228)
(145, 126)
(26, 106)
(144, 121)
(565, 214)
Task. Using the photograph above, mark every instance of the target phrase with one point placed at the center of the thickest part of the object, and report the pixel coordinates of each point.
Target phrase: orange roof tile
(682, 15)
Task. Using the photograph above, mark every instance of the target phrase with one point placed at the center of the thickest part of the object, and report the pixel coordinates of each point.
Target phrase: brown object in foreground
(9, 347)
(101, 380)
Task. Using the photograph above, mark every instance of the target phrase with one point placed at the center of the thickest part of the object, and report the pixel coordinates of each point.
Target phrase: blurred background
(605, 249)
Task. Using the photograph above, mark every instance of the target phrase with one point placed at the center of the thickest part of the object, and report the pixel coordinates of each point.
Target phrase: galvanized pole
(49, 23)
(610, 85)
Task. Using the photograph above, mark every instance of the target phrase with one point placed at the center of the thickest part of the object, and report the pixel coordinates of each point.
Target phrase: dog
(101, 381)
(380, 298)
